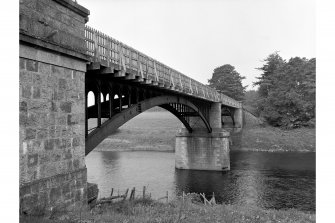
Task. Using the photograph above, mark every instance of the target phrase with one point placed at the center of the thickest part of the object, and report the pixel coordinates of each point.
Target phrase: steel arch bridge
(126, 82)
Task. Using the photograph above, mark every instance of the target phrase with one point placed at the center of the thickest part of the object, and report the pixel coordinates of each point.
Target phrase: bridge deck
(114, 55)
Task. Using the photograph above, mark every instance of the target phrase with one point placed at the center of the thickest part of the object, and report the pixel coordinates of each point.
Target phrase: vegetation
(251, 98)
(272, 139)
(228, 81)
(187, 210)
(287, 91)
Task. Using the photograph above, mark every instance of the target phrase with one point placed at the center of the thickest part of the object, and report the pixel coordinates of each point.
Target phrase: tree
(287, 91)
(273, 63)
(251, 98)
(228, 81)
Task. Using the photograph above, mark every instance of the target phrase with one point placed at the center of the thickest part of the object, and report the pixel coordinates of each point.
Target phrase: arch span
(99, 134)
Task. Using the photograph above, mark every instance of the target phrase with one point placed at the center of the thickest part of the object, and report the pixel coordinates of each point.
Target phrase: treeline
(286, 90)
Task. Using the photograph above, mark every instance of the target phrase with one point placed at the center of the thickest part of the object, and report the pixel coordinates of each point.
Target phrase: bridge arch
(170, 103)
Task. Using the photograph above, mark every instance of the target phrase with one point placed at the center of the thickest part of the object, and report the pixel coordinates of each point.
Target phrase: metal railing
(110, 52)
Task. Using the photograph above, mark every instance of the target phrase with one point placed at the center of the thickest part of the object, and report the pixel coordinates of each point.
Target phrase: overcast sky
(196, 36)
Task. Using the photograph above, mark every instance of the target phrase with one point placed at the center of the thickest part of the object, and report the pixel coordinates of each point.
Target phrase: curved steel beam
(99, 134)
(175, 113)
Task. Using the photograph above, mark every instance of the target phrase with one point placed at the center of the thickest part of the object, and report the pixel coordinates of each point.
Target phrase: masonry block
(201, 150)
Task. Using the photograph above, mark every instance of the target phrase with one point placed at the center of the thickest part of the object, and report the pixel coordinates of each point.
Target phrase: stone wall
(51, 129)
(52, 105)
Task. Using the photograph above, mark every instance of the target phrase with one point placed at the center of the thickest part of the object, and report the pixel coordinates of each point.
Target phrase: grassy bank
(258, 138)
(187, 211)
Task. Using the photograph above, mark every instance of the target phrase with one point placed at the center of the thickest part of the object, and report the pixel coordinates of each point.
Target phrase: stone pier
(238, 117)
(201, 150)
(52, 105)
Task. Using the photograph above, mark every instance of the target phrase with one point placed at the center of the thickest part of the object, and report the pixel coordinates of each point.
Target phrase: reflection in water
(122, 170)
(267, 180)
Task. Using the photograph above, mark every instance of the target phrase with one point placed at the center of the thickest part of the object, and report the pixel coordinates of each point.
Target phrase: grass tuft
(180, 210)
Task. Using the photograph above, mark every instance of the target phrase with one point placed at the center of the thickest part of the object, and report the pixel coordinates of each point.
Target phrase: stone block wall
(52, 125)
(52, 105)
(201, 150)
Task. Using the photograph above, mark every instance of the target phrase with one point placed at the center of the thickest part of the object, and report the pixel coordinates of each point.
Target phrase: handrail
(107, 50)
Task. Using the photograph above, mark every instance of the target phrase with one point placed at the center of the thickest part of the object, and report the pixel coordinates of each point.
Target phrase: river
(267, 180)
(278, 180)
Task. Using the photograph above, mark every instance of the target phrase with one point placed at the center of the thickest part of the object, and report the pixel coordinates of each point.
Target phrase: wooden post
(132, 194)
(125, 194)
(213, 202)
(108, 46)
(144, 191)
(167, 196)
(112, 192)
(96, 46)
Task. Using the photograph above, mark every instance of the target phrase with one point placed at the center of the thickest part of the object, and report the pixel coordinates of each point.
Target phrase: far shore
(155, 131)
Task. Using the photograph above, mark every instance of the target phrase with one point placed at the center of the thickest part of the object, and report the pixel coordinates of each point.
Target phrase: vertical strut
(99, 108)
(120, 98)
(129, 96)
(143, 94)
(137, 95)
(111, 99)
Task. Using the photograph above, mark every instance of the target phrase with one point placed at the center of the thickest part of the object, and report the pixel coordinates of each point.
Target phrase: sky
(196, 36)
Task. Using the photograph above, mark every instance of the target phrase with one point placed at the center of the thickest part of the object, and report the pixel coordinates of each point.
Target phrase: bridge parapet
(110, 52)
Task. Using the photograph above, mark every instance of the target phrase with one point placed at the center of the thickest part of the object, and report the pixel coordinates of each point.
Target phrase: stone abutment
(52, 105)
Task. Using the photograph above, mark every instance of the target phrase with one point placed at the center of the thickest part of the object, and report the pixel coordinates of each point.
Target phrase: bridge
(140, 83)
(61, 62)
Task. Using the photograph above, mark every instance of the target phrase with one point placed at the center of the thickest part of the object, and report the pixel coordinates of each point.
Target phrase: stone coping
(74, 6)
(38, 42)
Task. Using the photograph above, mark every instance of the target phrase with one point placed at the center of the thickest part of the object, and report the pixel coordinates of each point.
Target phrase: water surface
(268, 180)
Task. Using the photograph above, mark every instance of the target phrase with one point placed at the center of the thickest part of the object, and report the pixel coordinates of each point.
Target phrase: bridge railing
(113, 53)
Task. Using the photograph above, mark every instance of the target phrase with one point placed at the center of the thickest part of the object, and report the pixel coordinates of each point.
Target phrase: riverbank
(271, 139)
(155, 131)
(147, 210)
